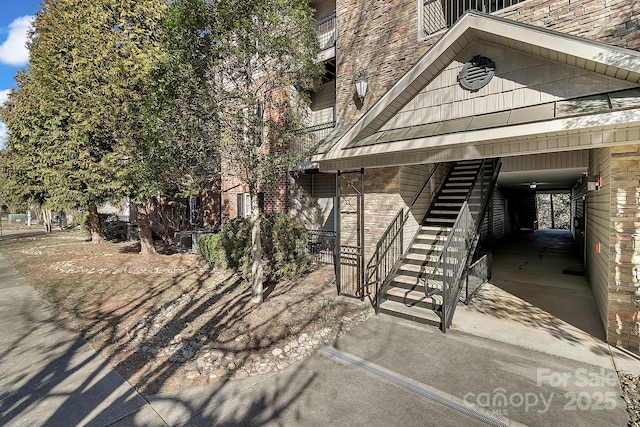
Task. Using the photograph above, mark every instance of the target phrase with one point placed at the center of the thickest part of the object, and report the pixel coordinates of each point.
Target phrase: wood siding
(498, 214)
(323, 104)
(521, 80)
(456, 148)
(578, 218)
(562, 160)
(598, 230)
(411, 178)
(313, 200)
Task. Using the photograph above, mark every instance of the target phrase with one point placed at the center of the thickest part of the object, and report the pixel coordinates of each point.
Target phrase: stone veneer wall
(623, 323)
(382, 202)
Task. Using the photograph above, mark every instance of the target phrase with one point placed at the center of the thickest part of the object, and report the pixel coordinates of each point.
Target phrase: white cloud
(13, 51)
(4, 96)
(4, 131)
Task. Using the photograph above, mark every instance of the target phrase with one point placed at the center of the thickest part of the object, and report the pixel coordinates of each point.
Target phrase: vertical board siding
(598, 224)
(323, 104)
(498, 214)
(578, 217)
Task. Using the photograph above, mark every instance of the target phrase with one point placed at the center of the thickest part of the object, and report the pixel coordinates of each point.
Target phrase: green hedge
(115, 231)
(283, 240)
(210, 249)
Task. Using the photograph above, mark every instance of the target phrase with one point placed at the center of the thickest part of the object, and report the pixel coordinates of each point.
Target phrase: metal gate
(350, 233)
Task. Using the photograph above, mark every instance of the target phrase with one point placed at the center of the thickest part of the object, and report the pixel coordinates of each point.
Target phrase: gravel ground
(631, 394)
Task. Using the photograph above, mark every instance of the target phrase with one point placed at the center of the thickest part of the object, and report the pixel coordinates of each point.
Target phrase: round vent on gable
(477, 73)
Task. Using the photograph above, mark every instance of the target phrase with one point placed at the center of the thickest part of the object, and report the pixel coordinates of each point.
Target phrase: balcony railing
(309, 138)
(440, 14)
(320, 246)
(326, 31)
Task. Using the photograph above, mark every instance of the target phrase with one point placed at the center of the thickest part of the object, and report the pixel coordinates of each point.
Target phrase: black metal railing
(350, 270)
(388, 251)
(326, 31)
(453, 263)
(480, 195)
(477, 274)
(389, 248)
(440, 14)
(308, 138)
(320, 246)
(462, 242)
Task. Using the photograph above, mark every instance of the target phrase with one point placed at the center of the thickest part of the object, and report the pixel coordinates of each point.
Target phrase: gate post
(337, 245)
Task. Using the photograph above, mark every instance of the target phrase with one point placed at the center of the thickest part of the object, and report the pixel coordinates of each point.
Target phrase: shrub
(115, 231)
(236, 242)
(283, 240)
(211, 250)
(288, 240)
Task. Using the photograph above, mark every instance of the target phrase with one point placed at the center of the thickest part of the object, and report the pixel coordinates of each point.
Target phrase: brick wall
(614, 22)
(381, 37)
(381, 204)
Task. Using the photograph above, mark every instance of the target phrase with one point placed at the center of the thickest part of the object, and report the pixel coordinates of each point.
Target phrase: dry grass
(132, 308)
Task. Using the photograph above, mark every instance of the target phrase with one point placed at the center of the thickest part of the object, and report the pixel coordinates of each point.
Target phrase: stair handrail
(464, 233)
(497, 165)
(373, 274)
(470, 237)
(434, 272)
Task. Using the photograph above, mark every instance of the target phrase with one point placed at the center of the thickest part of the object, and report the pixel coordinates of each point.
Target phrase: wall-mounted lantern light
(362, 85)
(533, 185)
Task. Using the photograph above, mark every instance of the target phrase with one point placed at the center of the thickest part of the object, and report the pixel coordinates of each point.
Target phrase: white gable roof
(603, 59)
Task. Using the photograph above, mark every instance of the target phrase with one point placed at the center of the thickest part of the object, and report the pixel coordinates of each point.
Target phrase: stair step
(452, 197)
(435, 228)
(415, 314)
(416, 256)
(455, 190)
(474, 167)
(450, 204)
(458, 184)
(445, 212)
(414, 298)
(431, 237)
(411, 281)
(460, 178)
(441, 220)
(432, 247)
(419, 269)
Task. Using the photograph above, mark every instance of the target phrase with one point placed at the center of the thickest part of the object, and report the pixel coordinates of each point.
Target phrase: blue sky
(15, 18)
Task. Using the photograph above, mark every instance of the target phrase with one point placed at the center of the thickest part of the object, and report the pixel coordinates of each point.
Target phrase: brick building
(549, 94)
(512, 93)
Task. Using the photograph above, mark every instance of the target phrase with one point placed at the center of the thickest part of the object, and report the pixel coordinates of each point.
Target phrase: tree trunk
(144, 229)
(94, 225)
(257, 274)
(46, 220)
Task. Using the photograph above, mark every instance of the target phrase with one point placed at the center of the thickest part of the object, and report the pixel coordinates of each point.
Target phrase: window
(244, 204)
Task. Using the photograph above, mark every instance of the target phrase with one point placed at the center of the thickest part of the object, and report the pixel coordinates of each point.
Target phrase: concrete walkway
(384, 372)
(48, 375)
(536, 299)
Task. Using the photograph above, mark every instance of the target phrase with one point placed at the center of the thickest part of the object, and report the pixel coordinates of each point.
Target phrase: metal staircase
(425, 283)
